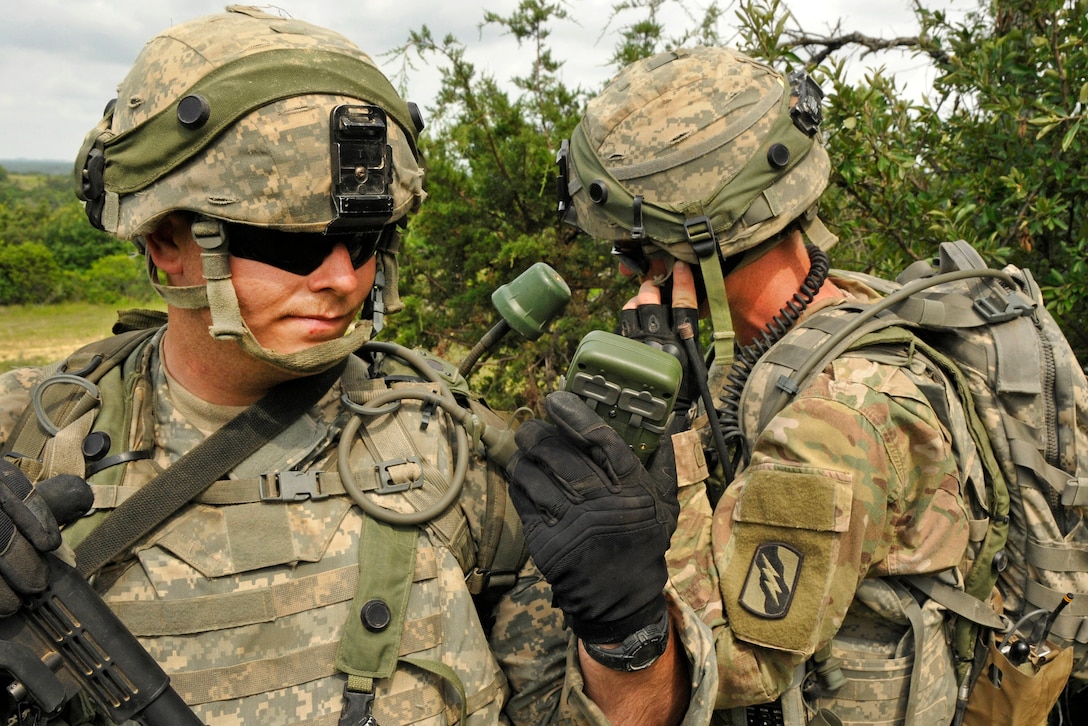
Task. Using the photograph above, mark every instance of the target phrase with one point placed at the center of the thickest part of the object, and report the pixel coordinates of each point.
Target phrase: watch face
(645, 656)
(640, 650)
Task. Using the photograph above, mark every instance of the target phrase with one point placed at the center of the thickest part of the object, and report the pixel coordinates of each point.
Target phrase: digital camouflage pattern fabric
(271, 169)
(712, 162)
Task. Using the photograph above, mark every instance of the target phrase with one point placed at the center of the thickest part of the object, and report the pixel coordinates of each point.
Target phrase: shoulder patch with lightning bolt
(772, 576)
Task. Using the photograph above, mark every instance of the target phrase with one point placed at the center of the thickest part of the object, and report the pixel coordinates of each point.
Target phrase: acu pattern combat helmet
(228, 115)
(695, 147)
(252, 118)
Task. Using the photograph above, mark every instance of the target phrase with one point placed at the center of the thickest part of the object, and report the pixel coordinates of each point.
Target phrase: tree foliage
(491, 213)
(49, 252)
(992, 153)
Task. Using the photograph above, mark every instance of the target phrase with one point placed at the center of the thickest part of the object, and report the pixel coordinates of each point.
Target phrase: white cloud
(61, 60)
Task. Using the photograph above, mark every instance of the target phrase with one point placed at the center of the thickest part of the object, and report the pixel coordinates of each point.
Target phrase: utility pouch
(1006, 693)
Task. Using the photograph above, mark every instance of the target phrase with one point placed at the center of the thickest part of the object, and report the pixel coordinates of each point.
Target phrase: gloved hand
(28, 528)
(597, 522)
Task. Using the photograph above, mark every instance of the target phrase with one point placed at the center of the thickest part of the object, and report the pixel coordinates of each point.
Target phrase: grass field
(40, 334)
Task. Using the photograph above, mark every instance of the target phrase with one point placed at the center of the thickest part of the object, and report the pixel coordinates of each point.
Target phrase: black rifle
(66, 640)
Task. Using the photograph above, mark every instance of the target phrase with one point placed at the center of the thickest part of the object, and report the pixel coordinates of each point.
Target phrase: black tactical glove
(28, 528)
(656, 325)
(597, 522)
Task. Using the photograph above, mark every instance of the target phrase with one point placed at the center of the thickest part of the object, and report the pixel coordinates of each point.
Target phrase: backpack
(1025, 401)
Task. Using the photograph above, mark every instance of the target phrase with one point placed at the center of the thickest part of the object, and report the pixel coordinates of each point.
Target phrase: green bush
(115, 278)
(29, 274)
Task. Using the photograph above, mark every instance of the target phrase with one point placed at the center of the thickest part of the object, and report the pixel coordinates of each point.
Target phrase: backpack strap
(68, 394)
(502, 550)
(821, 339)
(982, 576)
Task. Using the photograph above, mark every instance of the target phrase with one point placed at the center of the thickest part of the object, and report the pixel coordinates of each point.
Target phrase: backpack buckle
(291, 486)
(992, 311)
(385, 479)
(358, 709)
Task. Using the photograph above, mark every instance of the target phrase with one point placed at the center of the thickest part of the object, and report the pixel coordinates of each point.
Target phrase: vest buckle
(291, 486)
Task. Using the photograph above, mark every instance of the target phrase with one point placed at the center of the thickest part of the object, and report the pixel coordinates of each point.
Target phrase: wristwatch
(639, 650)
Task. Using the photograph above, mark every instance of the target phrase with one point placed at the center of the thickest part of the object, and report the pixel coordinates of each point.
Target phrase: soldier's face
(287, 312)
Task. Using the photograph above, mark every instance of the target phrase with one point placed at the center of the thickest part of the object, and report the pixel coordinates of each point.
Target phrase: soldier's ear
(168, 243)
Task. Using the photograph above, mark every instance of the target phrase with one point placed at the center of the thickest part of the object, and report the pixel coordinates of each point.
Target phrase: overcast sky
(61, 60)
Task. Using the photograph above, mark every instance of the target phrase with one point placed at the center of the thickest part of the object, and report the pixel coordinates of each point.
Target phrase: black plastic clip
(562, 180)
(701, 236)
(788, 385)
(358, 709)
(992, 310)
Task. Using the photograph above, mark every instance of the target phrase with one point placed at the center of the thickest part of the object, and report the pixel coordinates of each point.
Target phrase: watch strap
(639, 650)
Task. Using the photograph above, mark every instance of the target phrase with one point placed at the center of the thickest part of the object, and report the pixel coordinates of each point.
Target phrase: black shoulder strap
(212, 459)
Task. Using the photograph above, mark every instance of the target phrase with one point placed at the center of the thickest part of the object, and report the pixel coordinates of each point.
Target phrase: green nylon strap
(387, 556)
(218, 454)
(64, 404)
(444, 671)
(723, 337)
(665, 223)
(143, 154)
(362, 684)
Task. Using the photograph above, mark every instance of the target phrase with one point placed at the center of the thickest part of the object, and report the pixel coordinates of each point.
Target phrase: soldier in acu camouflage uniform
(703, 167)
(264, 166)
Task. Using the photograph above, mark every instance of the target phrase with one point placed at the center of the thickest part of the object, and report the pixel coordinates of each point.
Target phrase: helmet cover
(710, 141)
(228, 116)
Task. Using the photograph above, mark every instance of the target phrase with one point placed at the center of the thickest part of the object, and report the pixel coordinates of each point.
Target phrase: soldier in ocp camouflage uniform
(264, 166)
(703, 168)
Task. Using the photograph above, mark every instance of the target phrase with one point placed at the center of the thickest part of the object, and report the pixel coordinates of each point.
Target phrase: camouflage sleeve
(530, 642)
(855, 478)
(15, 387)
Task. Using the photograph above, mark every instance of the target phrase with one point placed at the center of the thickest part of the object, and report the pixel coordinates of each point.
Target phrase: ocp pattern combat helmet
(694, 147)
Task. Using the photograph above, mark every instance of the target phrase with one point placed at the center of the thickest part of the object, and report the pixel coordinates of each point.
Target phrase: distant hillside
(36, 166)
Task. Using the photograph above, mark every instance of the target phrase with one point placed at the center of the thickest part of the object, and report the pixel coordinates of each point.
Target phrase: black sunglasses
(301, 253)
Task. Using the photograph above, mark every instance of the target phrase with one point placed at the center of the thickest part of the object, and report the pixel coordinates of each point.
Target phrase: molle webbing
(194, 472)
(239, 609)
(262, 675)
(149, 618)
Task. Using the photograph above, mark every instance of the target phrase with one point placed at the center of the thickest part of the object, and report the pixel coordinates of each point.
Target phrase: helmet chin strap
(219, 297)
(722, 336)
